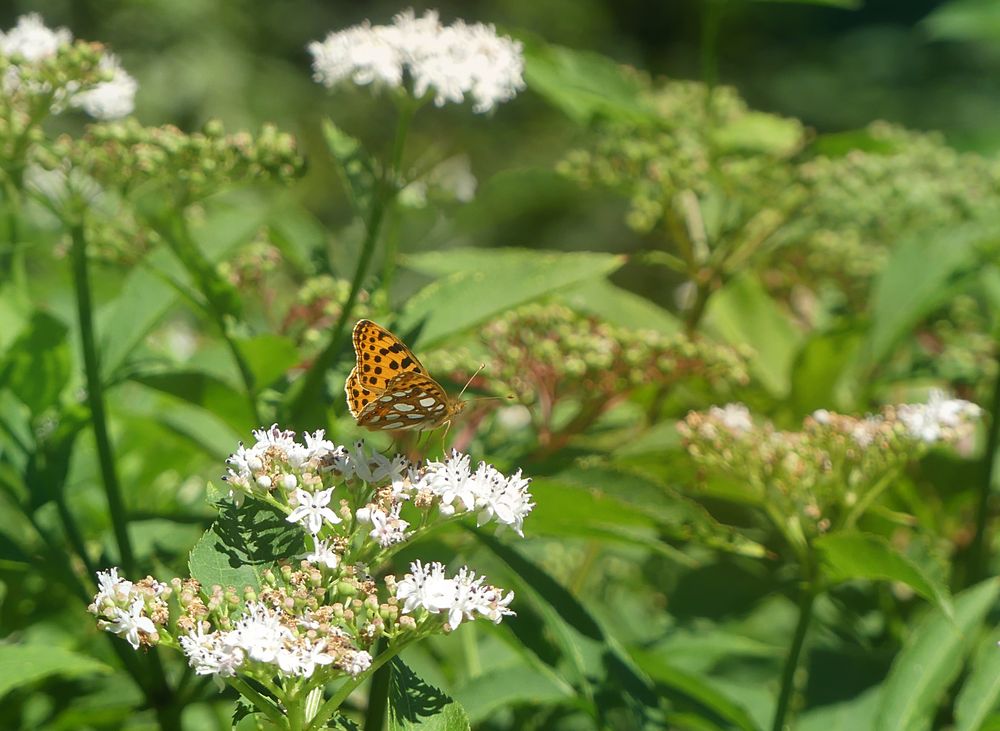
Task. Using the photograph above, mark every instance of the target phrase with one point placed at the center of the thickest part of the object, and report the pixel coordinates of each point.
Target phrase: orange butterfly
(389, 389)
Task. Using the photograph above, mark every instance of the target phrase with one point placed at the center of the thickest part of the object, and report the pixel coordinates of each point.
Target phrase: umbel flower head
(37, 61)
(448, 62)
(317, 617)
(836, 464)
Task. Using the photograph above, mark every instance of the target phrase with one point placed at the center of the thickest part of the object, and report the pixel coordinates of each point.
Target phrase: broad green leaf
(269, 357)
(821, 375)
(151, 289)
(38, 364)
(619, 306)
(22, 665)
(924, 271)
(743, 314)
(857, 713)
(931, 660)
(980, 694)
(848, 556)
(241, 544)
(965, 20)
(696, 688)
(356, 168)
(509, 687)
(584, 85)
(417, 706)
(206, 391)
(479, 284)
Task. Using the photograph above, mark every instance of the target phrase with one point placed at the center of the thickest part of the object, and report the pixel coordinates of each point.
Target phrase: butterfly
(389, 388)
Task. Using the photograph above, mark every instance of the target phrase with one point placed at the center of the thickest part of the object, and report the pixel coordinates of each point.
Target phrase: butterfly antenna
(471, 379)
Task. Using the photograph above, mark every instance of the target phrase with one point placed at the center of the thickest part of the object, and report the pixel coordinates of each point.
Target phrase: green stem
(95, 398)
(260, 702)
(333, 702)
(711, 21)
(979, 551)
(378, 695)
(789, 672)
(305, 402)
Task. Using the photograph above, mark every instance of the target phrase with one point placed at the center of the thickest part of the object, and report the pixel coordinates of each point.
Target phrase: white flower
(448, 62)
(217, 653)
(462, 597)
(324, 555)
(940, 418)
(260, 632)
(111, 99)
(356, 663)
(508, 501)
(387, 528)
(302, 660)
(312, 509)
(129, 624)
(375, 467)
(734, 417)
(32, 40)
(111, 586)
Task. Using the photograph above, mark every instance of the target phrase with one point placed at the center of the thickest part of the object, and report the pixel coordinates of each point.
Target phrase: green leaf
(965, 20)
(848, 556)
(743, 314)
(241, 544)
(38, 364)
(931, 660)
(923, 272)
(356, 168)
(582, 84)
(152, 288)
(269, 357)
(509, 687)
(844, 4)
(22, 665)
(477, 284)
(980, 694)
(696, 688)
(857, 713)
(204, 390)
(619, 306)
(757, 132)
(417, 706)
(822, 376)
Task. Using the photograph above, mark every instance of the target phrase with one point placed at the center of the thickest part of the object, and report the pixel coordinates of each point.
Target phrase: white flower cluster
(734, 417)
(485, 490)
(448, 61)
(30, 42)
(263, 635)
(462, 597)
(940, 419)
(124, 608)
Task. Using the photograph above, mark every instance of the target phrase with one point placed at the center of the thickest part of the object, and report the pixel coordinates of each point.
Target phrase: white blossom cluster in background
(322, 615)
(450, 62)
(940, 419)
(30, 44)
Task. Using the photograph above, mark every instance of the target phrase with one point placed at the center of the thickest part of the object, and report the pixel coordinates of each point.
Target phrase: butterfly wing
(410, 401)
(381, 356)
(358, 395)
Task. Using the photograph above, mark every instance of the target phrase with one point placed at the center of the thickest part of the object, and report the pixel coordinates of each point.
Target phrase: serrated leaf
(584, 85)
(847, 556)
(477, 284)
(22, 665)
(931, 660)
(242, 543)
(418, 706)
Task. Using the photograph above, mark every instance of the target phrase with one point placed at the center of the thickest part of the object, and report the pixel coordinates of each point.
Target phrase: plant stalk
(378, 695)
(979, 553)
(788, 685)
(95, 398)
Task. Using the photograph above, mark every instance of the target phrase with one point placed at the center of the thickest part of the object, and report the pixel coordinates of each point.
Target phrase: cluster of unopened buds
(836, 463)
(319, 616)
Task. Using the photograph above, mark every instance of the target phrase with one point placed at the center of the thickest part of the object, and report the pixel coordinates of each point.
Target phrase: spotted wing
(410, 401)
(381, 357)
(358, 395)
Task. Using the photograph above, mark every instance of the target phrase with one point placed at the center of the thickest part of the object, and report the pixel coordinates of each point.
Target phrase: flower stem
(378, 695)
(260, 702)
(95, 397)
(794, 656)
(306, 405)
